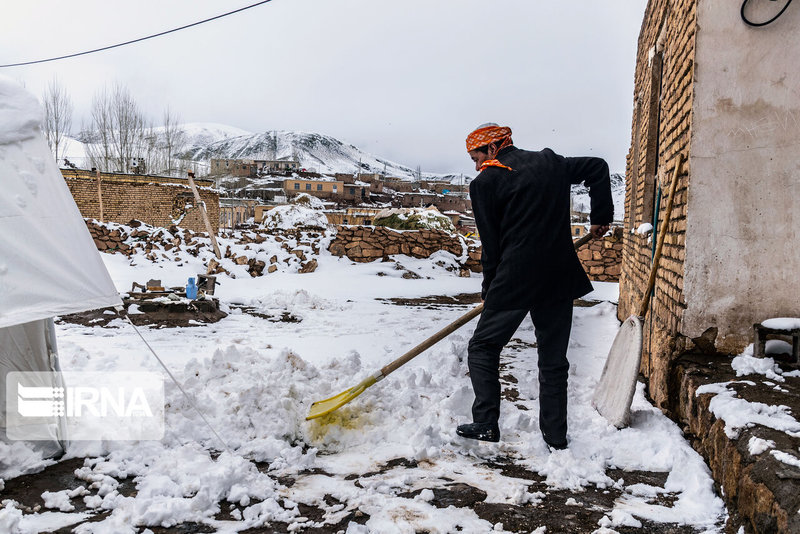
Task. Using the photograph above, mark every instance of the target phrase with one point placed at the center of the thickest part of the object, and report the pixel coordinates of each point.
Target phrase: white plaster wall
(742, 244)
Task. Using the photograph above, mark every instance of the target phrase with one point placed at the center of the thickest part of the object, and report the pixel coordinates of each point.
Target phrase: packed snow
(782, 323)
(254, 380)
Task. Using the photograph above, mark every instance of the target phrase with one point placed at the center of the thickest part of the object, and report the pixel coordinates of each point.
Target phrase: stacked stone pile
(108, 240)
(365, 243)
(602, 258)
(295, 248)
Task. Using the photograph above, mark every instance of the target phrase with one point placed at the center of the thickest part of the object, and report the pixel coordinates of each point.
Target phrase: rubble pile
(260, 251)
(106, 239)
(365, 244)
(299, 247)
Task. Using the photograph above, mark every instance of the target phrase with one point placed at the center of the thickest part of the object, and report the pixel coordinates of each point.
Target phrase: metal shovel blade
(614, 393)
(326, 406)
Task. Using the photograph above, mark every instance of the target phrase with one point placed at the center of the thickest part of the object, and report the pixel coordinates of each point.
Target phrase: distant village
(241, 191)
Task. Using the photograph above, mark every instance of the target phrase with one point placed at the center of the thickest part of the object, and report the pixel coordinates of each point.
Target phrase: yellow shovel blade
(324, 407)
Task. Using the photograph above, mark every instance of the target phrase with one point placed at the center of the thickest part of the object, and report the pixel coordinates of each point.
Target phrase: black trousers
(552, 324)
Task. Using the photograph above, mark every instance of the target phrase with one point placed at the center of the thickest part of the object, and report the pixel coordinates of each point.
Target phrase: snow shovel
(614, 393)
(324, 407)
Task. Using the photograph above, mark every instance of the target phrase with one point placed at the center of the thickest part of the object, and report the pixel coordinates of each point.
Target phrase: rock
(308, 267)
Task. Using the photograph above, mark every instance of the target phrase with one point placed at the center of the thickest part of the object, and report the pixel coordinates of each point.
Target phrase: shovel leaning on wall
(326, 406)
(614, 393)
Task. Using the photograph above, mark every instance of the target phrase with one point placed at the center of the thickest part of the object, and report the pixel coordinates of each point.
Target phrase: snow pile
(745, 364)
(414, 219)
(304, 213)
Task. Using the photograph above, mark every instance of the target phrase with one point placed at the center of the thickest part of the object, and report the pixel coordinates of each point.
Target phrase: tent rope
(188, 398)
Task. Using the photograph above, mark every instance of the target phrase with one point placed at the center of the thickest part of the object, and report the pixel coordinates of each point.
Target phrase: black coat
(523, 220)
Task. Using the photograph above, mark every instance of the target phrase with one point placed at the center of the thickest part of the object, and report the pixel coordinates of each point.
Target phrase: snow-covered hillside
(202, 134)
(580, 196)
(318, 152)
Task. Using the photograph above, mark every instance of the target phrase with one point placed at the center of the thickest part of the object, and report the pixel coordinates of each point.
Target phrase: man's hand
(598, 230)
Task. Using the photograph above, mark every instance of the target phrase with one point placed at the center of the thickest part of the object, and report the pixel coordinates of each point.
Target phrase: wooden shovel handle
(449, 329)
(662, 232)
(434, 339)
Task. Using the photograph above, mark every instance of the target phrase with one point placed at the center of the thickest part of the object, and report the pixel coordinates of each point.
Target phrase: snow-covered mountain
(318, 152)
(202, 134)
(580, 196)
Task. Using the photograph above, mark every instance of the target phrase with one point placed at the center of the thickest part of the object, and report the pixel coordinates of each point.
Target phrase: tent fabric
(25, 348)
(49, 264)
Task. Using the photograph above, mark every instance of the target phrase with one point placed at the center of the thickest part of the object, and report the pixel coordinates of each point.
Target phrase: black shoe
(556, 446)
(480, 431)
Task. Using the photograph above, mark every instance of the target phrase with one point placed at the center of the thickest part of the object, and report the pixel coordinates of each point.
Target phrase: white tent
(48, 262)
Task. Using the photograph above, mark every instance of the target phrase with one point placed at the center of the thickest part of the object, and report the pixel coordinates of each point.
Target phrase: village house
(319, 188)
(236, 211)
(355, 192)
(723, 95)
(355, 216)
(702, 91)
(251, 168)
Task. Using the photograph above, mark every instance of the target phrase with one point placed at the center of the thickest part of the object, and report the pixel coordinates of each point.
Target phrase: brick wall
(660, 131)
(149, 199)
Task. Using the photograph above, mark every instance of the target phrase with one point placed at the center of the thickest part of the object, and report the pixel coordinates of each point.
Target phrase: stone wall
(761, 492)
(149, 199)
(601, 258)
(370, 243)
(663, 97)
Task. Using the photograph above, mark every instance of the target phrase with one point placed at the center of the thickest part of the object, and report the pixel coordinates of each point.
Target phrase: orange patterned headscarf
(490, 134)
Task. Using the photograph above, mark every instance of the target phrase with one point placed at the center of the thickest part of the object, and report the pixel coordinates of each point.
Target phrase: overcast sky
(403, 79)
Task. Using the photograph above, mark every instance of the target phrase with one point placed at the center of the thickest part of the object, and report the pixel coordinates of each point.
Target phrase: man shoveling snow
(521, 205)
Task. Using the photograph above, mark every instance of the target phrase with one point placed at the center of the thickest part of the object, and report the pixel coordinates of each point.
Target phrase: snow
(739, 413)
(644, 228)
(294, 216)
(757, 445)
(255, 379)
(782, 323)
(745, 364)
(785, 457)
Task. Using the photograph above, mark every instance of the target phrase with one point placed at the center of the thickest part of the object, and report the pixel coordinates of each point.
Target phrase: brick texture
(660, 132)
(157, 201)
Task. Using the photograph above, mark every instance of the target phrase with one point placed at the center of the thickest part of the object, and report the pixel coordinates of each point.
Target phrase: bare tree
(127, 128)
(98, 147)
(173, 140)
(119, 130)
(57, 117)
